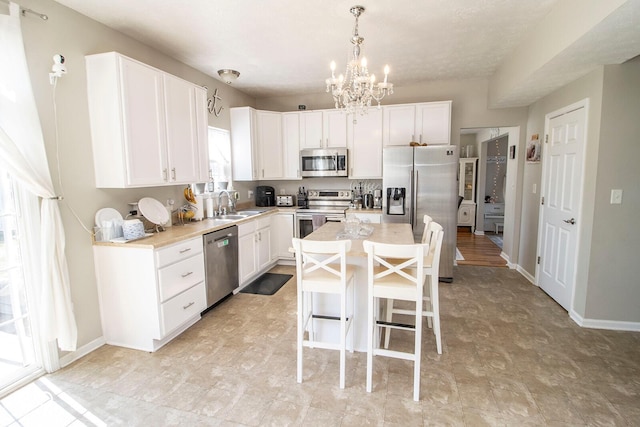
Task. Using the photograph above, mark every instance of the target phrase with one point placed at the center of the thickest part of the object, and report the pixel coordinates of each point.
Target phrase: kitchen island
(328, 330)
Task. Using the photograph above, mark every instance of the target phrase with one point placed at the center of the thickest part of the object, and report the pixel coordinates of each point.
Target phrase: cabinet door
(468, 179)
(334, 123)
(263, 253)
(143, 116)
(291, 145)
(282, 232)
(182, 131)
(365, 155)
(247, 265)
(203, 135)
(243, 144)
(311, 129)
(270, 143)
(399, 125)
(433, 123)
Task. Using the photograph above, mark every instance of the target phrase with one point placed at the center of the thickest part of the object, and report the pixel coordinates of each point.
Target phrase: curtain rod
(24, 11)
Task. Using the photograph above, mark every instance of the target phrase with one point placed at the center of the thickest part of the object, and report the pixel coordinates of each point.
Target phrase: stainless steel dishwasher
(221, 263)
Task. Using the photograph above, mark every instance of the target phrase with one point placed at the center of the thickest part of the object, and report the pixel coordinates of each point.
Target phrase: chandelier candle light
(354, 93)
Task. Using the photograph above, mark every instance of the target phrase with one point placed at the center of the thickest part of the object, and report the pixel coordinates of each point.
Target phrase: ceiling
(284, 47)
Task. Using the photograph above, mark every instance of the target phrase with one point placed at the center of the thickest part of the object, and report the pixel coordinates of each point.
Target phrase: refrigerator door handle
(414, 202)
(411, 207)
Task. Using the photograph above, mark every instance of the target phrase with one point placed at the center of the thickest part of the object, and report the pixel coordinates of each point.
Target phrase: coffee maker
(377, 199)
(265, 196)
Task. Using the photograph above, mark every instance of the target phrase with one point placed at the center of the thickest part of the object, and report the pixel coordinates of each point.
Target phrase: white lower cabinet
(254, 248)
(282, 229)
(149, 296)
(467, 215)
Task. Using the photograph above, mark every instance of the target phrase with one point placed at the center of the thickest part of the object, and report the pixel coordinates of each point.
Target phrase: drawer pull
(185, 250)
(187, 274)
(188, 305)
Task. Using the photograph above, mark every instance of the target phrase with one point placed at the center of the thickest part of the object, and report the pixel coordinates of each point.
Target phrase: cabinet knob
(164, 172)
(173, 173)
(184, 307)
(187, 274)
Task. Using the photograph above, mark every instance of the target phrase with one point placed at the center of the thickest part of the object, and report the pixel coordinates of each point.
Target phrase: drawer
(246, 228)
(182, 307)
(263, 222)
(179, 251)
(180, 276)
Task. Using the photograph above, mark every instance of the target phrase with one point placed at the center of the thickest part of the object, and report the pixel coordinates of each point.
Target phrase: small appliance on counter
(377, 199)
(302, 198)
(284, 200)
(265, 196)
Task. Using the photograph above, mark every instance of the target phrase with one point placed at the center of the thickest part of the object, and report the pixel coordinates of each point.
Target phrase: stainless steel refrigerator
(418, 181)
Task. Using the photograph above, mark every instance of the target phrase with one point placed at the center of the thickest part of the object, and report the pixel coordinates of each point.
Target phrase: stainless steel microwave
(323, 163)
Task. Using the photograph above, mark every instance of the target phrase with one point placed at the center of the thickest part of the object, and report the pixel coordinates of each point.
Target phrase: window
(17, 354)
(219, 158)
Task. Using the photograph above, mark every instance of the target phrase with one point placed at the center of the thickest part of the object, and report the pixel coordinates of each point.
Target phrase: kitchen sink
(249, 213)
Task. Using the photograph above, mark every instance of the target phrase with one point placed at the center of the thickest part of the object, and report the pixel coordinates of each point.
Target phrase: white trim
(21, 382)
(69, 358)
(526, 275)
(612, 325)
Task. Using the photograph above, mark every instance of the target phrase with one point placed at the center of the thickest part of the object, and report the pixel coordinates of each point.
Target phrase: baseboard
(526, 274)
(69, 358)
(612, 325)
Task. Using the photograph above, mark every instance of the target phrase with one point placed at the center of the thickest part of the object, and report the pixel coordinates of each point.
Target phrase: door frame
(584, 103)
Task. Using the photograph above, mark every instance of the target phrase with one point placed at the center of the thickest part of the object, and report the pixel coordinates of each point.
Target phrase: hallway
(478, 250)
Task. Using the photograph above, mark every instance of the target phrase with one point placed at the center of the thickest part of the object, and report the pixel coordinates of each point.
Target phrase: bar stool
(433, 236)
(401, 281)
(321, 268)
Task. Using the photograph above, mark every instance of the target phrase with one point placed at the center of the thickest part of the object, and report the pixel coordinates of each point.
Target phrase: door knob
(570, 221)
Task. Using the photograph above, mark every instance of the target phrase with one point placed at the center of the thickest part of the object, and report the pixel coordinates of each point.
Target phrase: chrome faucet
(230, 201)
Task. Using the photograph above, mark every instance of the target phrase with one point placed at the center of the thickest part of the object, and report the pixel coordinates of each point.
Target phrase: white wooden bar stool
(321, 268)
(433, 236)
(401, 281)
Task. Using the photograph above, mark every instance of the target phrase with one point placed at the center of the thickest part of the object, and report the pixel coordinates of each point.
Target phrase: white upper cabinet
(270, 144)
(291, 145)
(428, 122)
(147, 127)
(311, 129)
(188, 162)
(244, 144)
(433, 123)
(334, 127)
(365, 148)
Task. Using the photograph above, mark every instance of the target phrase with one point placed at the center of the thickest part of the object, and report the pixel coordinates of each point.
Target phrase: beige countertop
(399, 234)
(364, 211)
(177, 233)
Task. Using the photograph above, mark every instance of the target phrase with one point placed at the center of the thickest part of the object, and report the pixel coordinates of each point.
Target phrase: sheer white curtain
(22, 153)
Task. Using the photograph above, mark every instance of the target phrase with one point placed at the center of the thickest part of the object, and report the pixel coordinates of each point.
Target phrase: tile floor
(511, 357)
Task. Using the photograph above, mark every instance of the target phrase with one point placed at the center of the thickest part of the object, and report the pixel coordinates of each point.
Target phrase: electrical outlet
(616, 197)
(250, 194)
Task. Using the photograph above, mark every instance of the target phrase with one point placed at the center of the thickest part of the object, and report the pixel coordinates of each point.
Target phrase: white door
(560, 211)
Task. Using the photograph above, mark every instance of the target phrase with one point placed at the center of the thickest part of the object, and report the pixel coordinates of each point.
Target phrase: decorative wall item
(533, 149)
(211, 103)
(512, 152)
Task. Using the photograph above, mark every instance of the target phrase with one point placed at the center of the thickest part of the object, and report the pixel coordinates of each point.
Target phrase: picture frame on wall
(512, 152)
(533, 150)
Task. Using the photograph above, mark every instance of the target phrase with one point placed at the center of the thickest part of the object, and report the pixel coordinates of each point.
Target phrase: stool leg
(388, 318)
(417, 352)
(370, 326)
(301, 316)
(435, 309)
(343, 335)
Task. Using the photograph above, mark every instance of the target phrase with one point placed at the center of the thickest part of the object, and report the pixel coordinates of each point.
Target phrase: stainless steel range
(332, 204)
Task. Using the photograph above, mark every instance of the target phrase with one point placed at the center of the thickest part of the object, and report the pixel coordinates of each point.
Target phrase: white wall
(74, 36)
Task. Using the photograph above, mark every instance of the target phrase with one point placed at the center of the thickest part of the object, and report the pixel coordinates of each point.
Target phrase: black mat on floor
(267, 284)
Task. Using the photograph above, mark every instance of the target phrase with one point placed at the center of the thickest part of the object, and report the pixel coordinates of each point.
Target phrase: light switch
(250, 195)
(616, 197)
(535, 188)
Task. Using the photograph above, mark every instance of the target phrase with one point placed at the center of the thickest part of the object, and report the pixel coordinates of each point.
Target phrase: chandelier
(354, 91)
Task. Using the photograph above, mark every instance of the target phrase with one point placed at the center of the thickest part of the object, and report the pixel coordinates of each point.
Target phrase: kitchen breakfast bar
(328, 330)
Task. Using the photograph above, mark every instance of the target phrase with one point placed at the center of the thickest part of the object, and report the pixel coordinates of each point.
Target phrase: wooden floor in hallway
(478, 250)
